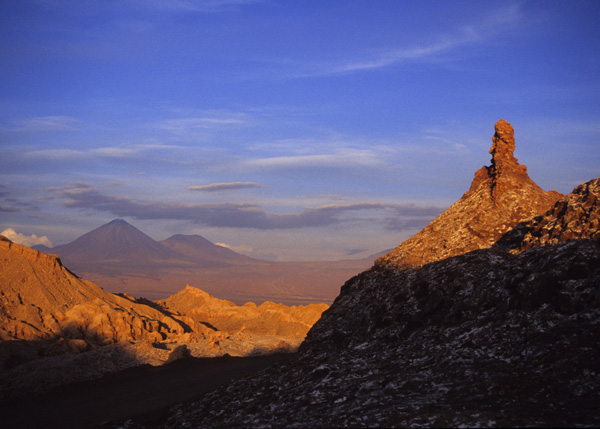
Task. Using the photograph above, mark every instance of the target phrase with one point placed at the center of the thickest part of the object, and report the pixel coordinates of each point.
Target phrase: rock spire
(503, 146)
(501, 195)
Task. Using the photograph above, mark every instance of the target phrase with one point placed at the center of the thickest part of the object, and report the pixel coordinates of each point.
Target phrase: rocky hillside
(501, 195)
(41, 299)
(484, 338)
(47, 311)
(291, 323)
(577, 216)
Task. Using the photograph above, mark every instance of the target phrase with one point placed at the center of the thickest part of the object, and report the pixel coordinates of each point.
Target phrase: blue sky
(288, 130)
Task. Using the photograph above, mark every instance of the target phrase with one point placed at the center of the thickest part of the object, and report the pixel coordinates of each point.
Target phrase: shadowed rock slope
(486, 338)
(501, 195)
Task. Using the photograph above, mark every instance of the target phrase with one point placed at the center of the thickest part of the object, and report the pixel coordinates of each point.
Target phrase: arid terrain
(493, 334)
(487, 317)
(53, 322)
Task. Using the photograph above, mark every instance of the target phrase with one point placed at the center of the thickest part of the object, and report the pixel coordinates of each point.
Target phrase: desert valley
(486, 317)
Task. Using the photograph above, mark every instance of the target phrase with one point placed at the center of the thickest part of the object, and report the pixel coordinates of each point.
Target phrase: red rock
(501, 195)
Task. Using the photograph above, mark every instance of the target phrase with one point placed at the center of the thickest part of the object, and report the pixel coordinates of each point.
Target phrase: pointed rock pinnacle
(501, 195)
(503, 145)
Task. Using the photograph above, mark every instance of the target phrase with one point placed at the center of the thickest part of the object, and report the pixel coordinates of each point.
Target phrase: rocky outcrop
(501, 195)
(575, 216)
(291, 323)
(483, 338)
(46, 311)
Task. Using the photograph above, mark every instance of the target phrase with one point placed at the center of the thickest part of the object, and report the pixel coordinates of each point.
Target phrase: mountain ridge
(116, 239)
(121, 258)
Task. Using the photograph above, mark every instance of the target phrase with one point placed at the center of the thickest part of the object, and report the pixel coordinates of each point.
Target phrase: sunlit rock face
(483, 338)
(288, 323)
(47, 310)
(501, 195)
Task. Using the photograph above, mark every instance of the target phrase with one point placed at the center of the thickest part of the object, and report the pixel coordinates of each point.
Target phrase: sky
(285, 130)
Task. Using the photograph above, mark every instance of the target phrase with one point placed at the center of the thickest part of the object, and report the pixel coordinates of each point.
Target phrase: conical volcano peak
(121, 222)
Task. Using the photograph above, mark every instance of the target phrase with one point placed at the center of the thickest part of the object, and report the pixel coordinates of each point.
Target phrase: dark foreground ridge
(483, 339)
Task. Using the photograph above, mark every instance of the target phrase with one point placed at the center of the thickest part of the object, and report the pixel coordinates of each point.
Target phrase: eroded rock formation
(46, 310)
(501, 195)
(483, 338)
(290, 323)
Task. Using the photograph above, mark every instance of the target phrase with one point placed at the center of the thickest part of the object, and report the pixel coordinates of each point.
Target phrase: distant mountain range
(121, 258)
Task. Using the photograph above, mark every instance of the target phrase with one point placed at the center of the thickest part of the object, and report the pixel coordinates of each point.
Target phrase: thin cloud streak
(226, 186)
(182, 126)
(43, 124)
(345, 158)
(203, 6)
(417, 53)
(446, 43)
(102, 152)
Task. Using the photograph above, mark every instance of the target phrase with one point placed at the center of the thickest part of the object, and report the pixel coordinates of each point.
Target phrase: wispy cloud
(185, 125)
(43, 124)
(411, 216)
(395, 56)
(8, 209)
(75, 7)
(340, 158)
(203, 6)
(468, 35)
(226, 186)
(102, 152)
(240, 249)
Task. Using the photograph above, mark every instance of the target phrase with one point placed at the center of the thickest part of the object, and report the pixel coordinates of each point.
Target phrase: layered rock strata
(501, 195)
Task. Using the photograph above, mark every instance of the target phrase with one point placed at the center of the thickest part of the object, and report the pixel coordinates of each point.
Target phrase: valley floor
(136, 396)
